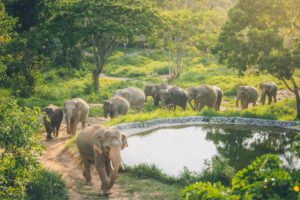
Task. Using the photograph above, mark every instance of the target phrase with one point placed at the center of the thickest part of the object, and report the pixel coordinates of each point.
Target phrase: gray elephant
(153, 91)
(77, 110)
(202, 96)
(135, 97)
(101, 146)
(268, 89)
(219, 98)
(115, 106)
(174, 96)
(52, 120)
(247, 94)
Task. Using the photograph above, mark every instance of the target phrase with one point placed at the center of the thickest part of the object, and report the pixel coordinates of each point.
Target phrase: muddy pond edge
(139, 127)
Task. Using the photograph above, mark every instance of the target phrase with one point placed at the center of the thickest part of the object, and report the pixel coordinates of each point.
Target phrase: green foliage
(47, 185)
(263, 35)
(263, 179)
(207, 191)
(18, 145)
(7, 25)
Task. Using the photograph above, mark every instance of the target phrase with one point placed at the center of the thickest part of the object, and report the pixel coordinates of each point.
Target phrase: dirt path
(58, 158)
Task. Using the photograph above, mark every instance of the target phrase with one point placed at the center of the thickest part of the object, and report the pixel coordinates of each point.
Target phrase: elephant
(219, 98)
(247, 94)
(135, 97)
(115, 106)
(153, 90)
(204, 95)
(101, 146)
(172, 97)
(268, 89)
(52, 120)
(77, 110)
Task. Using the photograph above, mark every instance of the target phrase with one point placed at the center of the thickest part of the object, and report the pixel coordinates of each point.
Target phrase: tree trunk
(296, 92)
(179, 58)
(96, 80)
(298, 105)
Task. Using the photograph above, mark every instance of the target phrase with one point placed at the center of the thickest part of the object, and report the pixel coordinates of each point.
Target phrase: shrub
(47, 185)
(207, 191)
(18, 147)
(262, 179)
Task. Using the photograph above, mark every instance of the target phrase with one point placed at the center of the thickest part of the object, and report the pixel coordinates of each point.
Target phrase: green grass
(147, 189)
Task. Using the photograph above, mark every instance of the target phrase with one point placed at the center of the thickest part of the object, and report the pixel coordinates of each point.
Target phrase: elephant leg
(57, 129)
(270, 99)
(275, 97)
(263, 99)
(244, 105)
(87, 172)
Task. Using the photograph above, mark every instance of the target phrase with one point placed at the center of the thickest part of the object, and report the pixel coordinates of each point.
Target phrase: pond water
(172, 149)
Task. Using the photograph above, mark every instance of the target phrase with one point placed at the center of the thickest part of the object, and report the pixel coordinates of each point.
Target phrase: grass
(147, 189)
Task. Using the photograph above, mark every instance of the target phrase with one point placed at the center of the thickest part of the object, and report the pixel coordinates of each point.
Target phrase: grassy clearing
(143, 66)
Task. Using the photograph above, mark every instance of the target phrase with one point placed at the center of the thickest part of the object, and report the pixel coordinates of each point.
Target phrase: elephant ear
(77, 105)
(98, 144)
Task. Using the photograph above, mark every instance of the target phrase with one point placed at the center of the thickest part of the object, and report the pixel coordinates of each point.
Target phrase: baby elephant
(268, 89)
(115, 106)
(247, 94)
(52, 120)
(172, 97)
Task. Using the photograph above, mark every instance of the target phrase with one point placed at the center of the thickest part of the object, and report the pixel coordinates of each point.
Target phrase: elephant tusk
(111, 165)
(122, 165)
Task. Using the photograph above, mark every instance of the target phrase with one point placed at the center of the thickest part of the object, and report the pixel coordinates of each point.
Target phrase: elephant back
(207, 95)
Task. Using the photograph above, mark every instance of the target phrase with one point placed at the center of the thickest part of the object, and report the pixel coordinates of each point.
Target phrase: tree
(103, 25)
(28, 12)
(264, 35)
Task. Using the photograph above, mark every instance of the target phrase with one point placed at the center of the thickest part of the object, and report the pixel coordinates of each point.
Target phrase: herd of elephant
(102, 146)
(77, 110)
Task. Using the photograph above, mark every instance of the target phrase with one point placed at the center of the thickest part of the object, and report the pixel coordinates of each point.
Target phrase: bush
(263, 179)
(18, 147)
(47, 185)
(207, 191)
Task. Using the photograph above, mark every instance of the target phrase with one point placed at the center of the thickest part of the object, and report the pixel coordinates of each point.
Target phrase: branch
(287, 85)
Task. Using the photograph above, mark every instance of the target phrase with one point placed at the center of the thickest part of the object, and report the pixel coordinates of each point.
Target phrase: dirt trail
(57, 158)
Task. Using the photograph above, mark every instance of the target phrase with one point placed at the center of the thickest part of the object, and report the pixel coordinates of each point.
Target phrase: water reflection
(173, 148)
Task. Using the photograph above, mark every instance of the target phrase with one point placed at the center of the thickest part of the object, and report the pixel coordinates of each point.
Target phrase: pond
(172, 149)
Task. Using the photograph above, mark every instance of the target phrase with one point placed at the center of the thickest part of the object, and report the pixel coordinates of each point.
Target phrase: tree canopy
(263, 35)
(102, 25)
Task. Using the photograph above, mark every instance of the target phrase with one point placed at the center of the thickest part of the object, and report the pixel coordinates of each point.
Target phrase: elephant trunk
(68, 121)
(115, 157)
(190, 103)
